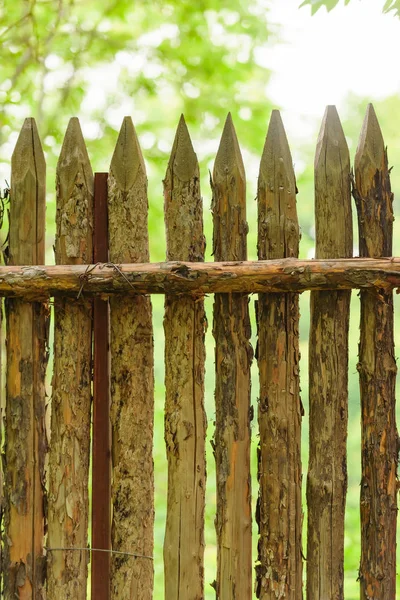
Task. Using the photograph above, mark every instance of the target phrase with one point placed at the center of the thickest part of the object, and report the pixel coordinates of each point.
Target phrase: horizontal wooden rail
(285, 275)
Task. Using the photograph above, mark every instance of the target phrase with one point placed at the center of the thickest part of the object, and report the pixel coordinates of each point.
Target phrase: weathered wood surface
(185, 419)
(132, 375)
(328, 370)
(68, 505)
(284, 275)
(377, 369)
(25, 440)
(233, 356)
(279, 511)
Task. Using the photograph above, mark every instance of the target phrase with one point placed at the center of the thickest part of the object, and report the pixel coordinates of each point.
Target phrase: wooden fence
(46, 484)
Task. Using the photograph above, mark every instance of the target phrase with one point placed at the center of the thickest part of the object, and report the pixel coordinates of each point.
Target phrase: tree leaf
(317, 4)
(390, 5)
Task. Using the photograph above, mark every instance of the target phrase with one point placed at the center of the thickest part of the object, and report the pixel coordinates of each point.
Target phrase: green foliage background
(164, 58)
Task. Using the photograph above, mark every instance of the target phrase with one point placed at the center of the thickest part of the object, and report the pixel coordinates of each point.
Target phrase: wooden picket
(36, 564)
(328, 370)
(68, 511)
(25, 440)
(132, 403)
(185, 419)
(233, 356)
(377, 369)
(279, 514)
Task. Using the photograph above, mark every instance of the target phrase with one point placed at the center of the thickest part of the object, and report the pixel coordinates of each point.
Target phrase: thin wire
(100, 550)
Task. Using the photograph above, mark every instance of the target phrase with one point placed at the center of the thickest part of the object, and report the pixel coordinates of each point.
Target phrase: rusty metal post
(101, 471)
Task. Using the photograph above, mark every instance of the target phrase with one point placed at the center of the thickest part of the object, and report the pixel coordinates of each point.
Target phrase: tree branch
(285, 275)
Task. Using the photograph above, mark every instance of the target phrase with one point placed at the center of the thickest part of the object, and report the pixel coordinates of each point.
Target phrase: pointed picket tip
(276, 147)
(228, 156)
(183, 160)
(28, 198)
(127, 159)
(333, 220)
(73, 152)
(370, 151)
(28, 153)
(331, 137)
(74, 142)
(74, 177)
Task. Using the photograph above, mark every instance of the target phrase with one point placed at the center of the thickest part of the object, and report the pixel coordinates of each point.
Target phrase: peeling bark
(69, 450)
(327, 470)
(132, 445)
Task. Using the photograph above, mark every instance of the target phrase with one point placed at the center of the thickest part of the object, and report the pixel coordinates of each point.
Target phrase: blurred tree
(167, 57)
(149, 59)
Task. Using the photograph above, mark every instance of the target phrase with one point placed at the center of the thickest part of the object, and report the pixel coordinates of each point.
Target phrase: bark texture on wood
(132, 374)
(25, 441)
(197, 279)
(185, 419)
(377, 369)
(71, 396)
(328, 370)
(279, 512)
(233, 356)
